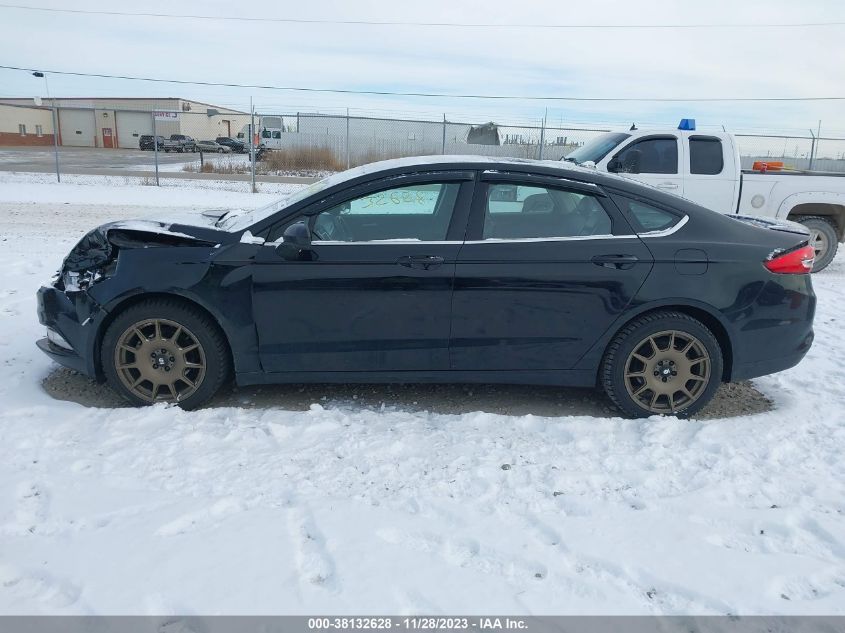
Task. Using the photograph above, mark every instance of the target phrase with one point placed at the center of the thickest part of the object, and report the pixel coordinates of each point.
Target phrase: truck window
(705, 155)
(655, 155)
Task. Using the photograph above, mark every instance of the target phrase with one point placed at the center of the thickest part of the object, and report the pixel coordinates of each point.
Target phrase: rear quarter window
(646, 218)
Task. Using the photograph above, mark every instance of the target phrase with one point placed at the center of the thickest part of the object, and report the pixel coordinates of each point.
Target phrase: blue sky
(682, 63)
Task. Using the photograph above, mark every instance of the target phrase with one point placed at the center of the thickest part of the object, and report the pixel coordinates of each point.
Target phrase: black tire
(612, 373)
(221, 151)
(218, 366)
(824, 239)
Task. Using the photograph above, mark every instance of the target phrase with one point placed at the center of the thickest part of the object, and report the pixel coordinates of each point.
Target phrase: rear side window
(705, 155)
(527, 211)
(646, 217)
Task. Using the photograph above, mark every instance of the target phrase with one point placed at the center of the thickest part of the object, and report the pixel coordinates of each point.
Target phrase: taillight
(797, 262)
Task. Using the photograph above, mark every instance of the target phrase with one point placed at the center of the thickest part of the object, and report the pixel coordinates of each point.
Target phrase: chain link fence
(244, 151)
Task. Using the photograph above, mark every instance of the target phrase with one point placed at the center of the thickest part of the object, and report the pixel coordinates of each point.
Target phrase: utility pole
(443, 142)
(252, 143)
(155, 145)
(56, 123)
(543, 133)
(347, 138)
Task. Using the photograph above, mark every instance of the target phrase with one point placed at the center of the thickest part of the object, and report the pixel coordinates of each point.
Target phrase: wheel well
(712, 323)
(835, 212)
(140, 298)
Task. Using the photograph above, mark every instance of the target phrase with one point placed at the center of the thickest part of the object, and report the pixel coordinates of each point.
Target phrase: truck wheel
(823, 239)
(161, 350)
(662, 363)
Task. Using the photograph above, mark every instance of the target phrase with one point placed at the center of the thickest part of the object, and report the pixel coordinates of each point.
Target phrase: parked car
(164, 144)
(440, 269)
(186, 143)
(238, 147)
(211, 146)
(705, 167)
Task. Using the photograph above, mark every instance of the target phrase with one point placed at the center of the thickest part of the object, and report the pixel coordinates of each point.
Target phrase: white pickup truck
(705, 168)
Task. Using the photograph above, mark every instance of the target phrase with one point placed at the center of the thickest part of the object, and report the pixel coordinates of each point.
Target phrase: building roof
(223, 109)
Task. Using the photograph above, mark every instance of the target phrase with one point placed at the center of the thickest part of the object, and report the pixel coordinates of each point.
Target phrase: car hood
(100, 246)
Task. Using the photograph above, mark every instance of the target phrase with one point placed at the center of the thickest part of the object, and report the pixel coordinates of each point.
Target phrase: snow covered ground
(99, 189)
(347, 508)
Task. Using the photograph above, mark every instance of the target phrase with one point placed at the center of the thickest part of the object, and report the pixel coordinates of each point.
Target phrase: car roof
(436, 162)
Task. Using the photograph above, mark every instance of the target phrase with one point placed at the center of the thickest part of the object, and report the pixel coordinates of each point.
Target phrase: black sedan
(440, 269)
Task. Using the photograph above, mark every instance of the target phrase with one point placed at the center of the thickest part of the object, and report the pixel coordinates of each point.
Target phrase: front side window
(705, 155)
(413, 212)
(646, 217)
(650, 156)
(527, 211)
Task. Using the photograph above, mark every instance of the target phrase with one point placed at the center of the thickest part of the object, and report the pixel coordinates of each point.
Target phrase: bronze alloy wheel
(667, 371)
(159, 360)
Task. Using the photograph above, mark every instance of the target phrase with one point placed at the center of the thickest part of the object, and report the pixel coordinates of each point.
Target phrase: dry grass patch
(301, 159)
(211, 167)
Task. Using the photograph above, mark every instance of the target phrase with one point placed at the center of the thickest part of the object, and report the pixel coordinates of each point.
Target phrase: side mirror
(614, 165)
(296, 242)
(297, 234)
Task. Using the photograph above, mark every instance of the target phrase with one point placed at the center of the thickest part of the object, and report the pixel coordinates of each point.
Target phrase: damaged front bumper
(73, 318)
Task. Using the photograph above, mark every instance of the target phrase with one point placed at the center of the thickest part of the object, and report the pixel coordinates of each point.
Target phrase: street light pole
(55, 123)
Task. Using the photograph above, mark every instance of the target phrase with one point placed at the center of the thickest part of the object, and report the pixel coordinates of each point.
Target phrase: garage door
(77, 127)
(130, 127)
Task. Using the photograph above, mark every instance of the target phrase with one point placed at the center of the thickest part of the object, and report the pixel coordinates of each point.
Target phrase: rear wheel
(823, 239)
(164, 351)
(663, 363)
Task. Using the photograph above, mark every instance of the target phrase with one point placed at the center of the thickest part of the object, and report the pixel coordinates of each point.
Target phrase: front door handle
(426, 262)
(619, 262)
(667, 185)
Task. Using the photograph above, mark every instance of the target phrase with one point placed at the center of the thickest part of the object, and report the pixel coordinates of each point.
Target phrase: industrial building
(112, 122)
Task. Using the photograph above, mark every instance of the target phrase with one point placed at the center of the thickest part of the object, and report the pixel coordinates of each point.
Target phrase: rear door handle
(620, 262)
(425, 262)
(667, 185)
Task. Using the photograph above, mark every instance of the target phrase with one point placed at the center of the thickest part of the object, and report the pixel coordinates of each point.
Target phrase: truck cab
(701, 166)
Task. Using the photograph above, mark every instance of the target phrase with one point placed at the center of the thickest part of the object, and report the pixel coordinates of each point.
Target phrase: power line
(481, 25)
(441, 95)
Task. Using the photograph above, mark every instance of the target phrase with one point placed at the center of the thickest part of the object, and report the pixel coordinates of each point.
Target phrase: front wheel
(164, 351)
(823, 239)
(662, 363)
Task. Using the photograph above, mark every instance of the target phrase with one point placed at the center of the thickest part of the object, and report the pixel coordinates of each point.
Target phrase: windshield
(240, 219)
(596, 149)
